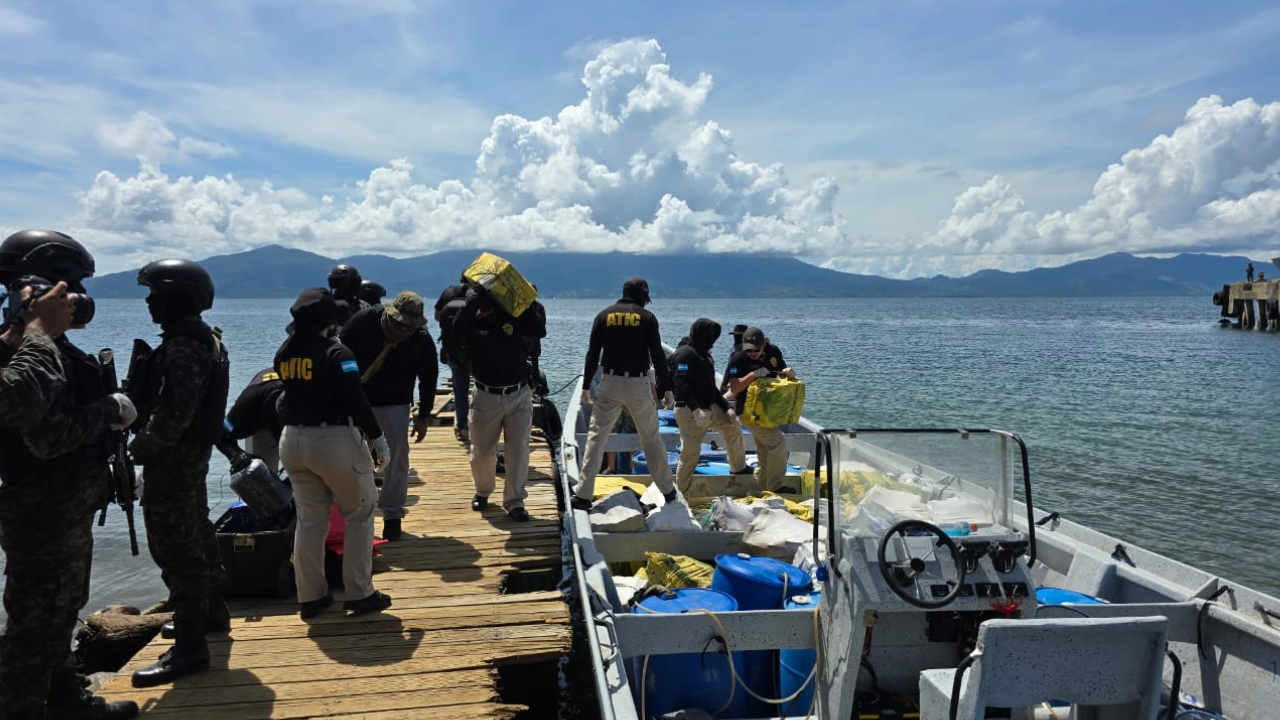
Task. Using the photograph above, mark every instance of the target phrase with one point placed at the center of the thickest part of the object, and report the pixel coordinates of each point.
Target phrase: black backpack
(452, 351)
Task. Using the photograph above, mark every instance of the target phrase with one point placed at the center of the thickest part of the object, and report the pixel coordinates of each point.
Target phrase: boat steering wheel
(902, 575)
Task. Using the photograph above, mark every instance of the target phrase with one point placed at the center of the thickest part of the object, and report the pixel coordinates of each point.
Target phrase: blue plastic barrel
(689, 680)
(759, 583)
(795, 664)
(640, 463)
(1061, 596)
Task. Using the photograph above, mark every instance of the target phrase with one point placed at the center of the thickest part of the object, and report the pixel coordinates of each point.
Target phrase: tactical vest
(84, 386)
(148, 375)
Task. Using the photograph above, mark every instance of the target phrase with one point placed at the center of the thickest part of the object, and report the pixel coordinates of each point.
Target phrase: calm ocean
(1143, 417)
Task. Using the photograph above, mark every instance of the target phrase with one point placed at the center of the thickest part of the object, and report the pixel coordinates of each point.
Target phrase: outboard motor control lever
(1006, 553)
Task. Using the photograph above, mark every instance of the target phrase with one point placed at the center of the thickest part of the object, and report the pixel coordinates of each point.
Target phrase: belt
(683, 404)
(329, 423)
(499, 389)
(623, 373)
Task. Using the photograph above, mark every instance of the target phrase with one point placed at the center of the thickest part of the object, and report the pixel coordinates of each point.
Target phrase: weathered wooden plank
(432, 655)
(261, 705)
(286, 688)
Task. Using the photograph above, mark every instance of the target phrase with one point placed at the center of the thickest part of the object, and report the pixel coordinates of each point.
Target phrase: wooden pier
(475, 631)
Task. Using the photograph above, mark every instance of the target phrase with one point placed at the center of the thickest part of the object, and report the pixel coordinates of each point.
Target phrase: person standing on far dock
(1248, 272)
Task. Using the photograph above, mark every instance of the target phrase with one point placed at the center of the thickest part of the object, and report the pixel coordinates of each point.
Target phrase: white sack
(617, 512)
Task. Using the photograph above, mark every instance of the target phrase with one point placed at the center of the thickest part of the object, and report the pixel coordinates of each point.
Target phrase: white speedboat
(927, 586)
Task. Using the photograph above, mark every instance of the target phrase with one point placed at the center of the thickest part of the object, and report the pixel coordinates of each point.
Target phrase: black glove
(240, 461)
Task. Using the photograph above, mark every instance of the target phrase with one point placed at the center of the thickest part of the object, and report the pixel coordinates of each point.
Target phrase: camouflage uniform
(54, 473)
(30, 379)
(178, 378)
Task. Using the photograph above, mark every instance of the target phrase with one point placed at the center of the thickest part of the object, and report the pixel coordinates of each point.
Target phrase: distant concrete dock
(1251, 304)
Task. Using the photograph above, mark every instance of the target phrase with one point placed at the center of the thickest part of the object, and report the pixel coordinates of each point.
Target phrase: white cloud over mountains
(635, 167)
(629, 167)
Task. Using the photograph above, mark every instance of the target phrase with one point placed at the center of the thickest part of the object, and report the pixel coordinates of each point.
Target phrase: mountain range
(276, 271)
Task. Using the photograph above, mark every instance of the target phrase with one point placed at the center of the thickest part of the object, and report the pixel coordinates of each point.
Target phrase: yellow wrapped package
(773, 401)
(505, 284)
(677, 571)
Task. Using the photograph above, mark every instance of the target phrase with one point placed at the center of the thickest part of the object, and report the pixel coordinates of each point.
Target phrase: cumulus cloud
(1213, 185)
(634, 166)
(631, 166)
(149, 139)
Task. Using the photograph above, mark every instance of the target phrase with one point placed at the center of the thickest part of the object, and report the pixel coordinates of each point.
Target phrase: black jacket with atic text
(256, 407)
(322, 384)
(625, 338)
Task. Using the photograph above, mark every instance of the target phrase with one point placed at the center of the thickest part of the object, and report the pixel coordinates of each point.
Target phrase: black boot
(70, 700)
(217, 621)
(391, 529)
(184, 658)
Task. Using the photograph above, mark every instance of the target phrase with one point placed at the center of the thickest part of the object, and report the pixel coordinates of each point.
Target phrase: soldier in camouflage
(53, 476)
(33, 376)
(181, 392)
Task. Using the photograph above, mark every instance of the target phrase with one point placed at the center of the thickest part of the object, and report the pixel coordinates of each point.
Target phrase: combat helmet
(371, 292)
(49, 254)
(179, 277)
(344, 277)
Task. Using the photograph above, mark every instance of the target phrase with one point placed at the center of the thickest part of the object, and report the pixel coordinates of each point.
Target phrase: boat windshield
(960, 481)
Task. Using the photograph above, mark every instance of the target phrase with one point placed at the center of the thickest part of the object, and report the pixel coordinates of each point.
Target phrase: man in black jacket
(699, 405)
(754, 361)
(255, 418)
(624, 341)
(450, 303)
(393, 349)
(497, 343)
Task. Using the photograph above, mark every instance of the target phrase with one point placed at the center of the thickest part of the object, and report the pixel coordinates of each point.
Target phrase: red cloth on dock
(338, 531)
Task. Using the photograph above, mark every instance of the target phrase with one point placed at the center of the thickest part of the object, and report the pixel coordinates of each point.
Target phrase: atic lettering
(296, 368)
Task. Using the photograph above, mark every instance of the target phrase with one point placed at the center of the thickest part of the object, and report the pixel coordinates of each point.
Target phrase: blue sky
(900, 138)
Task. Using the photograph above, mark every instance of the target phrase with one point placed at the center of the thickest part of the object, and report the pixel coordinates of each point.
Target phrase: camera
(82, 311)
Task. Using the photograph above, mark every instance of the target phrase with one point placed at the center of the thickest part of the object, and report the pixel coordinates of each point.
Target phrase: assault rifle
(121, 479)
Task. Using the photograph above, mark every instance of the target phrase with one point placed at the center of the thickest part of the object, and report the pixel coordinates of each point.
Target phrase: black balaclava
(166, 308)
(703, 333)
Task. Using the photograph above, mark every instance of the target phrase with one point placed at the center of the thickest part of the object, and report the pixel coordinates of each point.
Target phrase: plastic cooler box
(255, 552)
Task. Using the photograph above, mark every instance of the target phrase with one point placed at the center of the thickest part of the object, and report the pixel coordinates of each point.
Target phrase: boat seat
(1085, 661)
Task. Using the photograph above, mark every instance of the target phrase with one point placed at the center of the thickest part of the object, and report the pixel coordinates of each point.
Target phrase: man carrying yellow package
(746, 366)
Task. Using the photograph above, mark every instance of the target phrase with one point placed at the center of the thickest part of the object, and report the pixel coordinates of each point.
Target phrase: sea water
(1143, 417)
